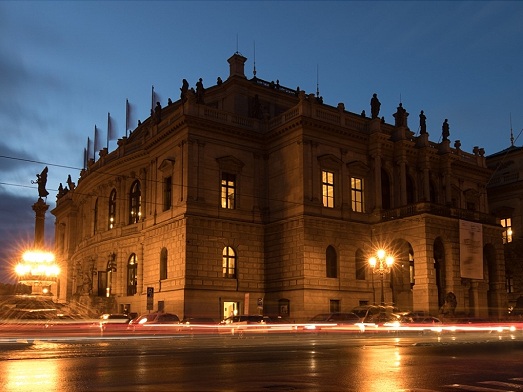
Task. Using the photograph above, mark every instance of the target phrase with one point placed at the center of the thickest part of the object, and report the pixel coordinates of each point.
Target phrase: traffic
(368, 320)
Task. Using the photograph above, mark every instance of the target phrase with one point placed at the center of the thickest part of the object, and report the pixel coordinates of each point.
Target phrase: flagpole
(86, 157)
(108, 129)
(152, 99)
(94, 146)
(126, 117)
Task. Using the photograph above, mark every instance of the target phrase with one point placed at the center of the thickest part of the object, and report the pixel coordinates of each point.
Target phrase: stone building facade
(505, 194)
(251, 197)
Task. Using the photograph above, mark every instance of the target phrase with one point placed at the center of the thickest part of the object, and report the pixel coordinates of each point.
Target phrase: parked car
(376, 313)
(198, 325)
(157, 321)
(330, 320)
(245, 319)
(245, 323)
(198, 320)
(114, 321)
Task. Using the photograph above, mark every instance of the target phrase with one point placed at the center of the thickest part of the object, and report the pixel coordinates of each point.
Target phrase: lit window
(228, 190)
(132, 280)
(356, 186)
(112, 209)
(327, 179)
(507, 233)
(135, 200)
(229, 262)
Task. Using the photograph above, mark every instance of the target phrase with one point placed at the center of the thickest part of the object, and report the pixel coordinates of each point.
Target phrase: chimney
(236, 65)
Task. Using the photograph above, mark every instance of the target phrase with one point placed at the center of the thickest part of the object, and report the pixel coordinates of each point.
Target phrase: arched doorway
(402, 274)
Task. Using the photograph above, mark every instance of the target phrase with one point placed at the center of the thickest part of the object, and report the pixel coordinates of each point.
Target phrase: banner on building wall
(471, 249)
(246, 303)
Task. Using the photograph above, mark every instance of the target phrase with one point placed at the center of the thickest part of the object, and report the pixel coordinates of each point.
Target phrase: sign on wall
(471, 249)
(150, 298)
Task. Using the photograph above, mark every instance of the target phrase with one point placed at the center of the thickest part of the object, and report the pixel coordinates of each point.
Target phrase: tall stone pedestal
(40, 209)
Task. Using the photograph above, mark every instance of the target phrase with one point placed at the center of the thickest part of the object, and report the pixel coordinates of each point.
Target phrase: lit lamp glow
(37, 268)
(381, 264)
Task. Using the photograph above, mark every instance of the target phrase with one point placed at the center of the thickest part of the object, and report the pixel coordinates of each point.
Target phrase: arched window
(361, 265)
(112, 210)
(95, 216)
(163, 264)
(331, 262)
(132, 281)
(135, 201)
(229, 262)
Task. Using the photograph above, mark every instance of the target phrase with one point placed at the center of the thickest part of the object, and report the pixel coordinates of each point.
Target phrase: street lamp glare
(381, 265)
(389, 261)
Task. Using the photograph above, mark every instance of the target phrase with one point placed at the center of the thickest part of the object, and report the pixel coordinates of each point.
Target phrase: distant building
(251, 197)
(505, 192)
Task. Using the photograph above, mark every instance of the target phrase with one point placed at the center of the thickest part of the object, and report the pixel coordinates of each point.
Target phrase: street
(265, 362)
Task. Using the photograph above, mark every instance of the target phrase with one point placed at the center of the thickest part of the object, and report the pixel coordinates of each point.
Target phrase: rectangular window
(507, 232)
(167, 193)
(509, 283)
(356, 186)
(228, 190)
(327, 179)
(334, 305)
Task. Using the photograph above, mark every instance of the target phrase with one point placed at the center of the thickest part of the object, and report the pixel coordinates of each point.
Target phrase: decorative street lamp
(381, 264)
(38, 269)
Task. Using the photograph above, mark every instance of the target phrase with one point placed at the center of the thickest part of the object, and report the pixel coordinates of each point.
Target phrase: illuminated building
(254, 197)
(505, 200)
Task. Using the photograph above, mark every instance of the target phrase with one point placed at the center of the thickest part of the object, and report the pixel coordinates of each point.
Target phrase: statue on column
(41, 180)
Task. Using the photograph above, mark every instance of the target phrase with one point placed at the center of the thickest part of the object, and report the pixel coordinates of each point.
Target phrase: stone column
(40, 209)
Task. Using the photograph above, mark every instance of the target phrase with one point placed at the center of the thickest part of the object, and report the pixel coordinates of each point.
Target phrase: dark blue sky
(65, 65)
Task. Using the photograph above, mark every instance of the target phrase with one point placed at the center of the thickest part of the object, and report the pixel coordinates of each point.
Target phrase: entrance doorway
(230, 309)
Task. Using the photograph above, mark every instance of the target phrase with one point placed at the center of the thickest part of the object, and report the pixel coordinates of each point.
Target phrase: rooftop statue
(445, 133)
(422, 123)
(184, 89)
(375, 105)
(199, 91)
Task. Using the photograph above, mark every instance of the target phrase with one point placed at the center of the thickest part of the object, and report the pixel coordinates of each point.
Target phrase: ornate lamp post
(38, 268)
(381, 264)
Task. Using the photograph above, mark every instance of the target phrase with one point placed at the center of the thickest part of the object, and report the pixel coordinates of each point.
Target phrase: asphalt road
(265, 362)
